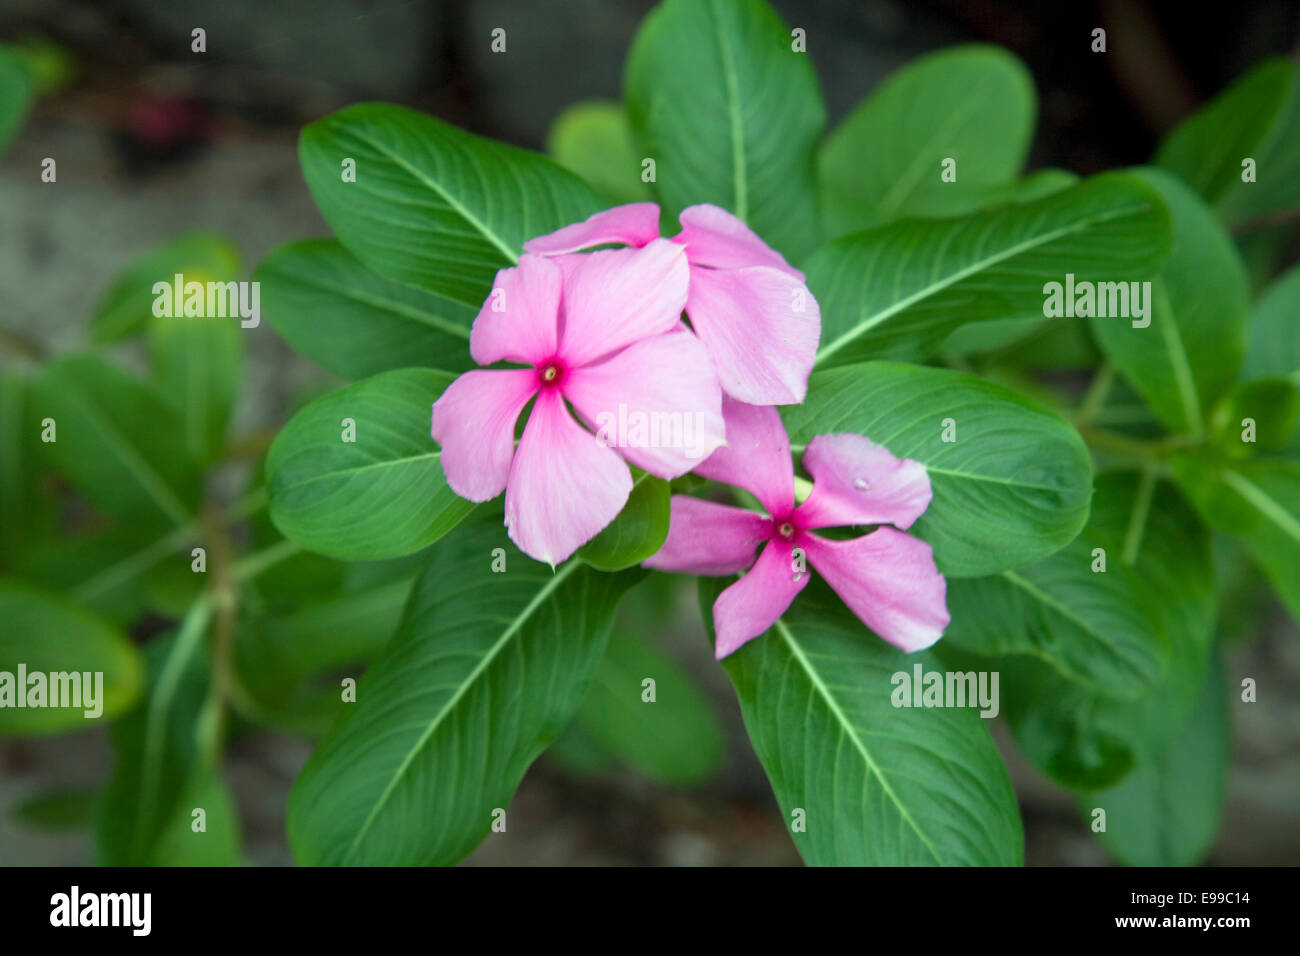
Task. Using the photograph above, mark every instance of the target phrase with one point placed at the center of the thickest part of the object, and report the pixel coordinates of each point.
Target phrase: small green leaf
(64, 808)
(1256, 416)
(46, 635)
(1188, 355)
(15, 94)
(332, 309)
(118, 441)
(900, 290)
(198, 364)
(27, 513)
(730, 111)
(485, 670)
(380, 495)
(431, 205)
(1258, 118)
(637, 533)
(128, 305)
(594, 140)
(972, 104)
(871, 783)
(1011, 479)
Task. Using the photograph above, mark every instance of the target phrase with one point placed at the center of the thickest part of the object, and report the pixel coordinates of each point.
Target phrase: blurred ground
(232, 169)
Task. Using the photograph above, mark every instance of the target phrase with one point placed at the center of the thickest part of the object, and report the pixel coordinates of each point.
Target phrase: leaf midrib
(869, 322)
(825, 692)
(518, 622)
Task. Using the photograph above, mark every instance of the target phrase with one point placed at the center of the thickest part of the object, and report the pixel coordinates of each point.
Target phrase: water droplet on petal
(860, 484)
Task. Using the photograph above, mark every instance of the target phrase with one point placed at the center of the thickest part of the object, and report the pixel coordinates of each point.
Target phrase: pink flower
(746, 303)
(887, 578)
(603, 332)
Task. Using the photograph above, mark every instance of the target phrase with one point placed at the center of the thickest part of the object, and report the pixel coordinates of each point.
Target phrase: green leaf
(1167, 812)
(1259, 502)
(484, 671)
(731, 115)
(879, 785)
(198, 364)
(433, 206)
(674, 739)
(46, 635)
(637, 533)
(1265, 411)
(332, 309)
(217, 843)
(118, 441)
(128, 305)
(380, 496)
(898, 291)
(594, 140)
(1014, 485)
(1189, 354)
(1274, 340)
(1095, 628)
(1257, 117)
(973, 104)
(15, 94)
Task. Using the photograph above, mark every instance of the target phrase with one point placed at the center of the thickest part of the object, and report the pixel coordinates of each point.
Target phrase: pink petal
(715, 238)
(888, 579)
(657, 401)
(565, 486)
(519, 321)
(709, 538)
(474, 422)
(752, 605)
(635, 224)
(762, 327)
(756, 456)
(614, 298)
(856, 482)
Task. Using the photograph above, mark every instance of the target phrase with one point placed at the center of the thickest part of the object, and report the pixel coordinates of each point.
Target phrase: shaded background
(152, 140)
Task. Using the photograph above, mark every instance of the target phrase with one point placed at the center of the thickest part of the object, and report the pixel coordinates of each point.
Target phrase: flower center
(786, 530)
(550, 373)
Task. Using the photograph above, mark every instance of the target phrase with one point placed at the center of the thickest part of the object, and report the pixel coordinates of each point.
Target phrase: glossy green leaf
(1259, 502)
(380, 496)
(637, 533)
(1167, 811)
(1011, 488)
(332, 309)
(1257, 117)
(128, 306)
(118, 440)
(972, 104)
(594, 140)
(1256, 416)
(1274, 337)
(483, 673)
(198, 363)
(27, 513)
(731, 114)
(868, 782)
(900, 290)
(1189, 354)
(46, 635)
(433, 206)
